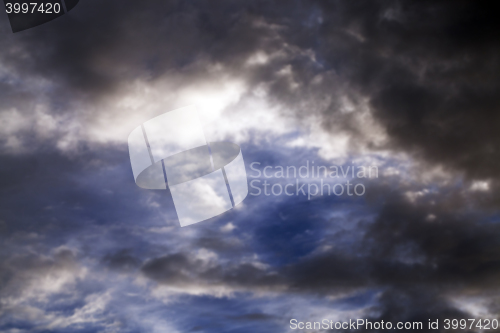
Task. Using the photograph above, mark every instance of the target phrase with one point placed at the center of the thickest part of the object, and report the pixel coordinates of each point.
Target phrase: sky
(410, 87)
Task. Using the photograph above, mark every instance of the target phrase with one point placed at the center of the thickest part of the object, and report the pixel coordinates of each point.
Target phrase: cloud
(376, 76)
(409, 86)
(189, 272)
(418, 266)
(428, 73)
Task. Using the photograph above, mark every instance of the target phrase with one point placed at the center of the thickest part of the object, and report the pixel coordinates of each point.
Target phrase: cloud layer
(408, 86)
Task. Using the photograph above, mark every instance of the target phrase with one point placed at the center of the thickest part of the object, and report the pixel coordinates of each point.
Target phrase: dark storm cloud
(428, 70)
(50, 199)
(184, 270)
(419, 256)
(20, 272)
(105, 44)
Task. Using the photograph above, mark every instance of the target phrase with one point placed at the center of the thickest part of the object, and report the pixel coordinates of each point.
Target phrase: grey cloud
(93, 57)
(254, 317)
(20, 273)
(185, 270)
(417, 264)
(122, 260)
(228, 245)
(428, 72)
